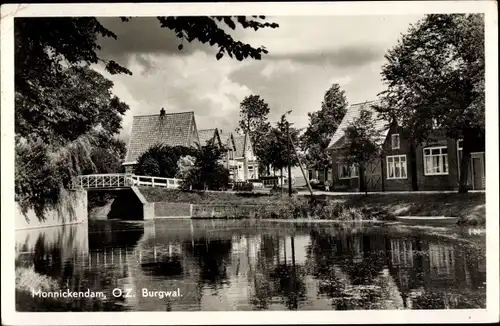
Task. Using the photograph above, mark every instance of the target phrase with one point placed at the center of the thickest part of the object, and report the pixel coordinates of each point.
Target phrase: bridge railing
(103, 181)
(140, 180)
(121, 180)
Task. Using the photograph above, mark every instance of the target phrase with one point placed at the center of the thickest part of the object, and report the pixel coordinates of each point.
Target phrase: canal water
(215, 265)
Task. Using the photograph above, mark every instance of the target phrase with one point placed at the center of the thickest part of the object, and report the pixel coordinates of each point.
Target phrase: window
(346, 172)
(396, 167)
(395, 141)
(354, 171)
(435, 161)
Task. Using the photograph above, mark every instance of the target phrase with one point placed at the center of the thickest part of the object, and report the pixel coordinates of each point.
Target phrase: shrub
(27, 280)
(351, 214)
(471, 219)
(161, 160)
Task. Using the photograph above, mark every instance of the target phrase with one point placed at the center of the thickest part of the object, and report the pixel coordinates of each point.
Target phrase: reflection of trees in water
(278, 277)
(266, 259)
(47, 258)
(348, 266)
(114, 234)
(166, 266)
(212, 256)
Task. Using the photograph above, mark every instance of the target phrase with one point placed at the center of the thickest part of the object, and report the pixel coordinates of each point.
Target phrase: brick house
(172, 129)
(437, 161)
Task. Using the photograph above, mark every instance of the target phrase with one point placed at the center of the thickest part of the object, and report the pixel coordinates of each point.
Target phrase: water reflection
(243, 265)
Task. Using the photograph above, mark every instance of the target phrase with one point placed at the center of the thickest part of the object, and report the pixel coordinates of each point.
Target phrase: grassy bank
(199, 197)
(469, 207)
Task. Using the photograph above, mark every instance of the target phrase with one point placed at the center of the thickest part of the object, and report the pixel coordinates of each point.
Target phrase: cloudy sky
(306, 55)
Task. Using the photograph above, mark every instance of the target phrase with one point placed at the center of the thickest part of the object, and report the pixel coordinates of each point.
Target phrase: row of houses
(180, 129)
(436, 163)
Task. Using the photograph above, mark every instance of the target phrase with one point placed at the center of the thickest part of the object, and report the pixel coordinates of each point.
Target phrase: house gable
(174, 129)
(209, 136)
(353, 112)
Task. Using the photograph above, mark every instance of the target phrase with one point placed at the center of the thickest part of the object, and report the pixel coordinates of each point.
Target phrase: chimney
(162, 113)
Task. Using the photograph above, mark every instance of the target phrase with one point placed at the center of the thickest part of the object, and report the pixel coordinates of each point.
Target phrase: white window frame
(393, 137)
(393, 164)
(354, 171)
(441, 161)
(459, 149)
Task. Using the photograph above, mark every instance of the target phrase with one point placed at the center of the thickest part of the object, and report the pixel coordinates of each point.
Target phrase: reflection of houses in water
(351, 270)
(420, 266)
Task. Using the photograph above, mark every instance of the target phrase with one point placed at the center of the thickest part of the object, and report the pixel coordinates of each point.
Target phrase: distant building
(437, 160)
(242, 162)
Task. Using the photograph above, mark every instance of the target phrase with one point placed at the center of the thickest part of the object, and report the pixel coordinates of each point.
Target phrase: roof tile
(353, 112)
(206, 135)
(175, 129)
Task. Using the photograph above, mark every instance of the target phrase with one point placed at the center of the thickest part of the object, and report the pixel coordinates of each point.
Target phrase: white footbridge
(122, 180)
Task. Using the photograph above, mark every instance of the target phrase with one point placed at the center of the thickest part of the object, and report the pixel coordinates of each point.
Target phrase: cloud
(306, 56)
(143, 35)
(349, 56)
(192, 83)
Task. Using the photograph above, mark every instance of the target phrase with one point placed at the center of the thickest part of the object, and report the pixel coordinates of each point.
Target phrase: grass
(199, 197)
(27, 280)
(470, 207)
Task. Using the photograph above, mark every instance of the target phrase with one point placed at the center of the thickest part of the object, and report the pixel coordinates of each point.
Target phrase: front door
(373, 175)
(477, 167)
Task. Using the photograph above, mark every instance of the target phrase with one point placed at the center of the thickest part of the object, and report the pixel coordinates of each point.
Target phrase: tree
(435, 77)
(45, 47)
(80, 102)
(322, 126)
(253, 119)
(107, 153)
(59, 100)
(276, 146)
(185, 164)
(74, 123)
(207, 172)
(161, 160)
(362, 144)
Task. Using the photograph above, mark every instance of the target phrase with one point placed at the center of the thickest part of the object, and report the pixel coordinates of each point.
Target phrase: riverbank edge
(71, 209)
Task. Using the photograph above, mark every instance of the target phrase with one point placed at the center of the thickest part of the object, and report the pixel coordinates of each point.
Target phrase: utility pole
(288, 156)
(301, 168)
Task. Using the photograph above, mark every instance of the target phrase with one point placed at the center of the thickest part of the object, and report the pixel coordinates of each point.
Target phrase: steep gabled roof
(175, 129)
(225, 138)
(206, 135)
(239, 143)
(353, 112)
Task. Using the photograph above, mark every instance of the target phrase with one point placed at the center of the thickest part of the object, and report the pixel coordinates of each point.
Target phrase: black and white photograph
(290, 157)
